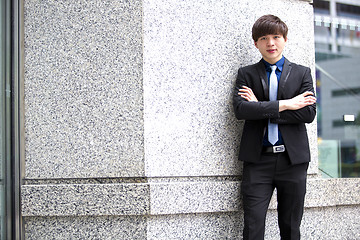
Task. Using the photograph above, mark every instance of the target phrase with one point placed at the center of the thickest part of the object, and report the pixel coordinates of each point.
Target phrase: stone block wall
(129, 129)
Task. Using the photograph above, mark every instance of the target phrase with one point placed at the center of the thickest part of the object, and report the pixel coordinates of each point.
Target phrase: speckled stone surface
(195, 226)
(208, 208)
(85, 200)
(167, 197)
(90, 72)
(192, 51)
(333, 192)
(104, 228)
(195, 197)
(335, 223)
(83, 89)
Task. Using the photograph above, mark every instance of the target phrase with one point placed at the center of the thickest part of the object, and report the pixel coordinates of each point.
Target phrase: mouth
(271, 50)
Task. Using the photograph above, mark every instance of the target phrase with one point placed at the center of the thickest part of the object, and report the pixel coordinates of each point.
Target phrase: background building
(123, 125)
(337, 42)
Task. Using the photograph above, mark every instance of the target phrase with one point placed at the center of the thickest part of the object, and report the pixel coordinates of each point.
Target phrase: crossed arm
(295, 103)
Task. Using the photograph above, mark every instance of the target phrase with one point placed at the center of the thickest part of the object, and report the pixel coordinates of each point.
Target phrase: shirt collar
(279, 64)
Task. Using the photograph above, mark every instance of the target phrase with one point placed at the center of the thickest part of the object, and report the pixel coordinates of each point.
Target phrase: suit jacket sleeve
(303, 115)
(245, 110)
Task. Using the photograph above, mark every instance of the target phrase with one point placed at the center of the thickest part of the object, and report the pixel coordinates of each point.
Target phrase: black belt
(274, 149)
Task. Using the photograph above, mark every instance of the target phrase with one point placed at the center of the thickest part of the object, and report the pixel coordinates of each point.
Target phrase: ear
(255, 43)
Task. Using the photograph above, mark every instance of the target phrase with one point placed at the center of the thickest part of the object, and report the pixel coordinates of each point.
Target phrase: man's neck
(278, 62)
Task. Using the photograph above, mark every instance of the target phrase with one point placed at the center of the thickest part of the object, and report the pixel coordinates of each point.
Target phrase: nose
(270, 42)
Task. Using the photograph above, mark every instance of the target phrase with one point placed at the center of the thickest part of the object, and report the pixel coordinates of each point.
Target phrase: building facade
(337, 48)
(126, 128)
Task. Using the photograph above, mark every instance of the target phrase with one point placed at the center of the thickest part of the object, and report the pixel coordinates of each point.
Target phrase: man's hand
(298, 102)
(247, 93)
(295, 103)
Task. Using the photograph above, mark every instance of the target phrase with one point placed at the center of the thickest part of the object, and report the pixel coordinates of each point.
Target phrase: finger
(246, 88)
(245, 97)
(312, 99)
(245, 92)
(305, 94)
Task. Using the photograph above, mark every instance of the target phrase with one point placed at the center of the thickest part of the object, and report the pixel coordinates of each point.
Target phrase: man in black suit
(276, 98)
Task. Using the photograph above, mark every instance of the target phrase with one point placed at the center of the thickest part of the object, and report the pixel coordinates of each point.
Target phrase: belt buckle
(278, 149)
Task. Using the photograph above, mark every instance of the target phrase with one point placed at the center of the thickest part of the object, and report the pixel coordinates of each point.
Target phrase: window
(337, 54)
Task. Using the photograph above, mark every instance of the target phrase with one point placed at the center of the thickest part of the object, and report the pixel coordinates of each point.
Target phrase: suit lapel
(263, 78)
(284, 77)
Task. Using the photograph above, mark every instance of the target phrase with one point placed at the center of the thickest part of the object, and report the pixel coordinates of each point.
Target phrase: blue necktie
(273, 127)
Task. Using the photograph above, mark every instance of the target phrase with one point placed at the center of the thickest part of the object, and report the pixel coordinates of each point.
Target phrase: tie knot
(273, 67)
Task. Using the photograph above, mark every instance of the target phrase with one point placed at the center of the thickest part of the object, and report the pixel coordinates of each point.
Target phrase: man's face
(271, 47)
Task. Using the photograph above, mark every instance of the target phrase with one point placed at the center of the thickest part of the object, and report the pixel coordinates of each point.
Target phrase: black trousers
(259, 181)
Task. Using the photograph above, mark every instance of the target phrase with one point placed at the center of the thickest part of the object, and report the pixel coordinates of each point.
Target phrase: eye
(263, 38)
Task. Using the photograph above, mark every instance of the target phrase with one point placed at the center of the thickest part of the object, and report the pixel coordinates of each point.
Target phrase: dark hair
(268, 24)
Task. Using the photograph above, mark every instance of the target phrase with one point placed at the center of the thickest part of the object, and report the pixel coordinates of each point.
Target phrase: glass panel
(337, 51)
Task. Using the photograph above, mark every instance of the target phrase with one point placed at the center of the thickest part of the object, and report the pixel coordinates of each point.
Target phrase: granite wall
(129, 126)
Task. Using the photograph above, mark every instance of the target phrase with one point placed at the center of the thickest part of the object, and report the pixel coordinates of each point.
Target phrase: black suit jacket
(295, 79)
